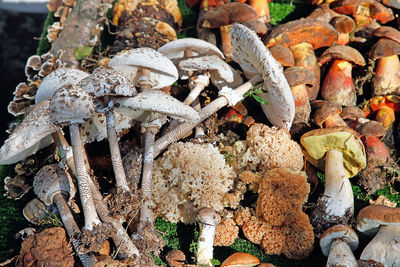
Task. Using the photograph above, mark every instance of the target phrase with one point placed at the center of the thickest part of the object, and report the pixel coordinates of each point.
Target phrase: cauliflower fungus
(190, 176)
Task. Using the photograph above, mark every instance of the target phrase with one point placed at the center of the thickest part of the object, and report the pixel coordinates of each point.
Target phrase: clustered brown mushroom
(253, 179)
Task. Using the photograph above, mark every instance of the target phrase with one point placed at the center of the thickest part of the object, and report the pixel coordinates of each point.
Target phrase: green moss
(279, 12)
(189, 21)
(44, 44)
(169, 233)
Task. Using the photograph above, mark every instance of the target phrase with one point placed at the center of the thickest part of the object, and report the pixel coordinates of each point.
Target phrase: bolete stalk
(340, 153)
(71, 105)
(54, 186)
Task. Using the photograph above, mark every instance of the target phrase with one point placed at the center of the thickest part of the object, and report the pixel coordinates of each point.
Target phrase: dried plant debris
(93, 240)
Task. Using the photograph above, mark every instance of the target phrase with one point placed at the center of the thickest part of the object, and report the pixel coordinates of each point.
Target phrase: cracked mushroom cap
(255, 58)
(384, 48)
(70, 104)
(343, 52)
(156, 101)
(318, 142)
(342, 232)
(51, 180)
(370, 218)
(107, 82)
(369, 8)
(31, 135)
(57, 79)
(162, 71)
(315, 32)
(227, 14)
(175, 50)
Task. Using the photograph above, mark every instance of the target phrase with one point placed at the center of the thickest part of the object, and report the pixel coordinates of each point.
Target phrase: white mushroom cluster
(187, 177)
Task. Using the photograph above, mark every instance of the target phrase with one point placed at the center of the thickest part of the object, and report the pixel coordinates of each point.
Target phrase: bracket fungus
(54, 186)
(338, 243)
(340, 153)
(384, 247)
(338, 86)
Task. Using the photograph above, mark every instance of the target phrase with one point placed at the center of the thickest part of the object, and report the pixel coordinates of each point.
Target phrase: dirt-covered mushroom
(338, 243)
(384, 246)
(340, 153)
(54, 186)
(338, 86)
(71, 105)
(208, 219)
(303, 37)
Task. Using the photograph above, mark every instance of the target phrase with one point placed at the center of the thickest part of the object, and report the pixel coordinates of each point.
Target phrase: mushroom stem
(64, 149)
(146, 213)
(340, 254)
(387, 77)
(89, 210)
(384, 246)
(121, 239)
(226, 41)
(197, 85)
(119, 172)
(338, 195)
(301, 102)
(183, 128)
(72, 228)
(262, 9)
(338, 86)
(208, 220)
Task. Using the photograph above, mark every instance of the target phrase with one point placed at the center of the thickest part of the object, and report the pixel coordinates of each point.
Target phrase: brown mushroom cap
(343, 232)
(283, 55)
(323, 110)
(387, 32)
(240, 259)
(323, 13)
(315, 32)
(352, 113)
(373, 216)
(343, 52)
(343, 24)
(371, 128)
(227, 14)
(297, 75)
(318, 142)
(375, 9)
(384, 48)
(257, 26)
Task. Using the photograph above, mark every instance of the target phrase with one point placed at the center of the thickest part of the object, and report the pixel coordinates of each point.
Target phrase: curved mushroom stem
(197, 84)
(338, 195)
(119, 172)
(64, 149)
(384, 247)
(183, 128)
(340, 254)
(121, 239)
(72, 228)
(89, 210)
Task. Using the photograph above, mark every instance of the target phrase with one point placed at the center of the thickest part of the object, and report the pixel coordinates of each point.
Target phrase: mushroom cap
(375, 9)
(283, 55)
(31, 135)
(371, 128)
(162, 71)
(212, 63)
(373, 216)
(297, 75)
(323, 110)
(35, 211)
(159, 102)
(254, 57)
(208, 216)
(318, 142)
(51, 180)
(239, 259)
(387, 32)
(70, 104)
(315, 32)
(227, 14)
(384, 48)
(343, 24)
(176, 49)
(55, 80)
(343, 52)
(107, 82)
(342, 232)
(352, 113)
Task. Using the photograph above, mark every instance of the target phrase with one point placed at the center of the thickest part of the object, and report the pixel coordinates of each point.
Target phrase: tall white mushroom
(53, 186)
(208, 220)
(260, 59)
(71, 105)
(104, 84)
(150, 70)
